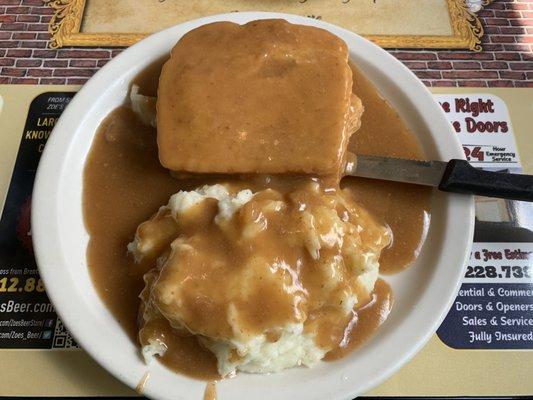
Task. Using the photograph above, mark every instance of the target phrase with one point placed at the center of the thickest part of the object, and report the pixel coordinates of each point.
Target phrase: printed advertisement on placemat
(494, 307)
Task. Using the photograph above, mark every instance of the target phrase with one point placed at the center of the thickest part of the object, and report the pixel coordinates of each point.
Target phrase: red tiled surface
(506, 60)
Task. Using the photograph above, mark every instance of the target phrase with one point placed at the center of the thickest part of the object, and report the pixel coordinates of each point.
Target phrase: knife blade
(456, 176)
(427, 173)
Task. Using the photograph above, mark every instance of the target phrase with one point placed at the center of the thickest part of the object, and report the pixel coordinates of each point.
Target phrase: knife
(456, 176)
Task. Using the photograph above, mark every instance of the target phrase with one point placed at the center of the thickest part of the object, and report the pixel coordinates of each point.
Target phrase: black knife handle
(460, 177)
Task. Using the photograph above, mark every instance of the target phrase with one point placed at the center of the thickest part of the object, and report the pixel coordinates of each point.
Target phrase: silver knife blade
(427, 173)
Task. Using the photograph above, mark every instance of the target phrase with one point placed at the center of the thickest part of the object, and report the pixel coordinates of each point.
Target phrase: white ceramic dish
(423, 293)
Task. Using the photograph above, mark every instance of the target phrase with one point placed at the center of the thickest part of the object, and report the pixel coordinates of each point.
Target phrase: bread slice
(264, 97)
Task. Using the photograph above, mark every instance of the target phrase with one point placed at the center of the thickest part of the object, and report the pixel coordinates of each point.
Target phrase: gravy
(403, 207)
(124, 184)
(210, 391)
(366, 320)
(256, 98)
(294, 254)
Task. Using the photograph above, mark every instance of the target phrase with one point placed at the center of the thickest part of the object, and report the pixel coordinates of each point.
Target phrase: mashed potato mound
(266, 280)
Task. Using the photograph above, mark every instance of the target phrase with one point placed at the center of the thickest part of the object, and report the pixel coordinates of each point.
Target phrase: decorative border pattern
(66, 23)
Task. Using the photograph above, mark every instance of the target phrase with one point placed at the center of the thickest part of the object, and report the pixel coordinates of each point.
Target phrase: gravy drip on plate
(124, 184)
(210, 391)
(142, 383)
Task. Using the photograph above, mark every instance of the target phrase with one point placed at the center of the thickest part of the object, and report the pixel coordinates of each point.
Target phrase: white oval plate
(423, 293)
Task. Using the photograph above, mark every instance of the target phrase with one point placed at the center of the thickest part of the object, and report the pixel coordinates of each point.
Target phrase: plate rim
(45, 201)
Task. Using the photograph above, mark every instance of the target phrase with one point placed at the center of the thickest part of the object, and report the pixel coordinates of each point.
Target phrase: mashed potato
(266, 280)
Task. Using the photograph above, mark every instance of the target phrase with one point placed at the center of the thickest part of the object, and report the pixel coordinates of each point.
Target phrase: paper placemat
(481, 349)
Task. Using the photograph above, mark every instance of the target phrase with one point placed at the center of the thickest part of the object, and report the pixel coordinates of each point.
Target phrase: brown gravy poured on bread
(264, 93)
(124, 184)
